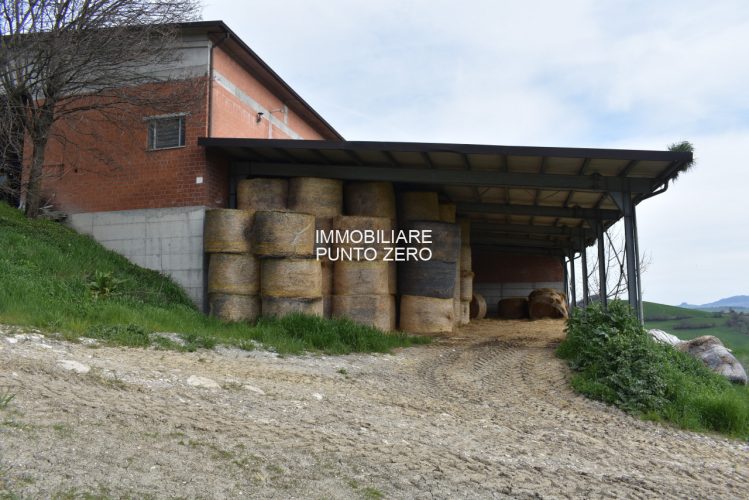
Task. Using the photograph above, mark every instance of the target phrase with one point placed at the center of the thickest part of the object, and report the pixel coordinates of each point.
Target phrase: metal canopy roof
(520, 199)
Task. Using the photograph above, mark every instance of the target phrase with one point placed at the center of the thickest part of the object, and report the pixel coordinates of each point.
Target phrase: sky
(577, 73)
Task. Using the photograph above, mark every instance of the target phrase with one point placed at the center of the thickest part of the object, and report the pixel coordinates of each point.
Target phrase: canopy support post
(602, 293)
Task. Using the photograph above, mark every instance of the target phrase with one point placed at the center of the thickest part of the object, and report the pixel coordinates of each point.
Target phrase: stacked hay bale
(447, 214)
(547, 303)
(466, 273)
(322, 198)
(477, 306)
(232, 269)
(262, 194)
(427, 288)
(361, 289)
(290, 276)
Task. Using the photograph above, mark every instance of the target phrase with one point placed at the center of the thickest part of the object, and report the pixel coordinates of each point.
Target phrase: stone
(254, 389)
(203, 382)
(73, 366)
(711, 351)
(664, 337)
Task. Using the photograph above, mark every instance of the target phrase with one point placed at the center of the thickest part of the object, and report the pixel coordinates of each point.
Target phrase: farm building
(519, 215)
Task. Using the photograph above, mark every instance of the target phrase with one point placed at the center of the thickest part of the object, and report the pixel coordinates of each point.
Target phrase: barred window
(166, 132)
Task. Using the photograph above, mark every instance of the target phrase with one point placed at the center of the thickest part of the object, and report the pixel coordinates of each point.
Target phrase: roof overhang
(525, 199)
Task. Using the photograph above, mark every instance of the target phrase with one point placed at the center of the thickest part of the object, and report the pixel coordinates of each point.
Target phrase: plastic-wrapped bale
(227, 230)
(297, 278)
(262, 194)
(465, 258)
(370, 199)
(355, 226)
(430, 278)
(513, 308)
(445, 239)
(232, 307)
(283, 306)
(547, 303)
(447, 212)
(316, 196)
(283, 234)
(465, 312)
(477, 306)
(234, 273)
(351, 277)
(426, 314)
(466, 286)
(419, 205)
(371, 310)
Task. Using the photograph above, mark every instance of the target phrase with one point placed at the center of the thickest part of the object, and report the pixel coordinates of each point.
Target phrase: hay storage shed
(531, 210)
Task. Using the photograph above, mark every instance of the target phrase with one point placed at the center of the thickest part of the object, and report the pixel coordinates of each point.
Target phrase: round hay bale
(230, 307)
(465, 312)
(419, 205)
(392, 278)
(427, 279)
(371, 310)
(466, 285)
(323, 227)
(356, 226)
(351, 277)
(426, 314)
(313, 195)
(233, 273)
(227, 230)
(465, 231)
(370, 199)
(283, 306)
(547, 303)
(298, 278)
(445, 239)
(326, 270)
(456, 312)
(262, 194)
(447, 212)
(465, 258)
(283, 234)
(512, 308)
(477, 306)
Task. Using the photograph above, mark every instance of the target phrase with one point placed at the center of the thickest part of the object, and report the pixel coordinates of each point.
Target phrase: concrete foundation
(168, 240)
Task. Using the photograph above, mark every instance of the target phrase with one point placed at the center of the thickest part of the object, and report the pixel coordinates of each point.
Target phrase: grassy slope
(734, 340)
(45, 275)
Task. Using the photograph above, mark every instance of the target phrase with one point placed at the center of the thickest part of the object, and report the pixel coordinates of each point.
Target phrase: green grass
(617, 362)
(735, 340)
(57, 280)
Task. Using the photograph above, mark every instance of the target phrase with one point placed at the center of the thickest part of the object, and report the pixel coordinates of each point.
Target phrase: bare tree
(61, 59)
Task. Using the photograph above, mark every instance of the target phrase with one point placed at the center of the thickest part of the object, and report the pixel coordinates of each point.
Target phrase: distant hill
(735, 302)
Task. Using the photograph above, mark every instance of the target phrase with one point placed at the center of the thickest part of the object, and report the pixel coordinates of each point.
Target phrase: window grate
(164, 133)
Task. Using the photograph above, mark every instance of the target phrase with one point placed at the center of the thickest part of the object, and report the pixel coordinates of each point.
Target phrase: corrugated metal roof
(528, 198)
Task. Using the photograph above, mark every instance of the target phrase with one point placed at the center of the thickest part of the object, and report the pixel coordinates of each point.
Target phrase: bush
(617, 362)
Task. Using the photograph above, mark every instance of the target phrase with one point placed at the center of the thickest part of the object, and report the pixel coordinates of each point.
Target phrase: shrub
(617, 362)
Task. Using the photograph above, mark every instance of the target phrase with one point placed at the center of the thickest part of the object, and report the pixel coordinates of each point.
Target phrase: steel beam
(631, 249)
(573, 285)
(602, 293)
(586, 292)
(510, 209)
(532, 229)
(453, 177)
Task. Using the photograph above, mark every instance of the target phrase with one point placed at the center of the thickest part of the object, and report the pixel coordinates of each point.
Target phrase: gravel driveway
(487, 413)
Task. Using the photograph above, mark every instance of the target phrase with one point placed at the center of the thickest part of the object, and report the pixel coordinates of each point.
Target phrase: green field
(61, 282)
(669, 318)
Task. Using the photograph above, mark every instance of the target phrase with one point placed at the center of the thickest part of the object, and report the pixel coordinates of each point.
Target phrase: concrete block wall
(168, 240)
(494, 292)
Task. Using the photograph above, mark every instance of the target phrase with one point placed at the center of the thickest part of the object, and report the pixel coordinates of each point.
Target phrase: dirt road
(488, 414)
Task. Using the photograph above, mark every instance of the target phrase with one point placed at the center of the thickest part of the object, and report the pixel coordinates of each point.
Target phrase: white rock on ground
(73, 366)
(204, 382)
(664, 337)
(254, 389)
(711, 351)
